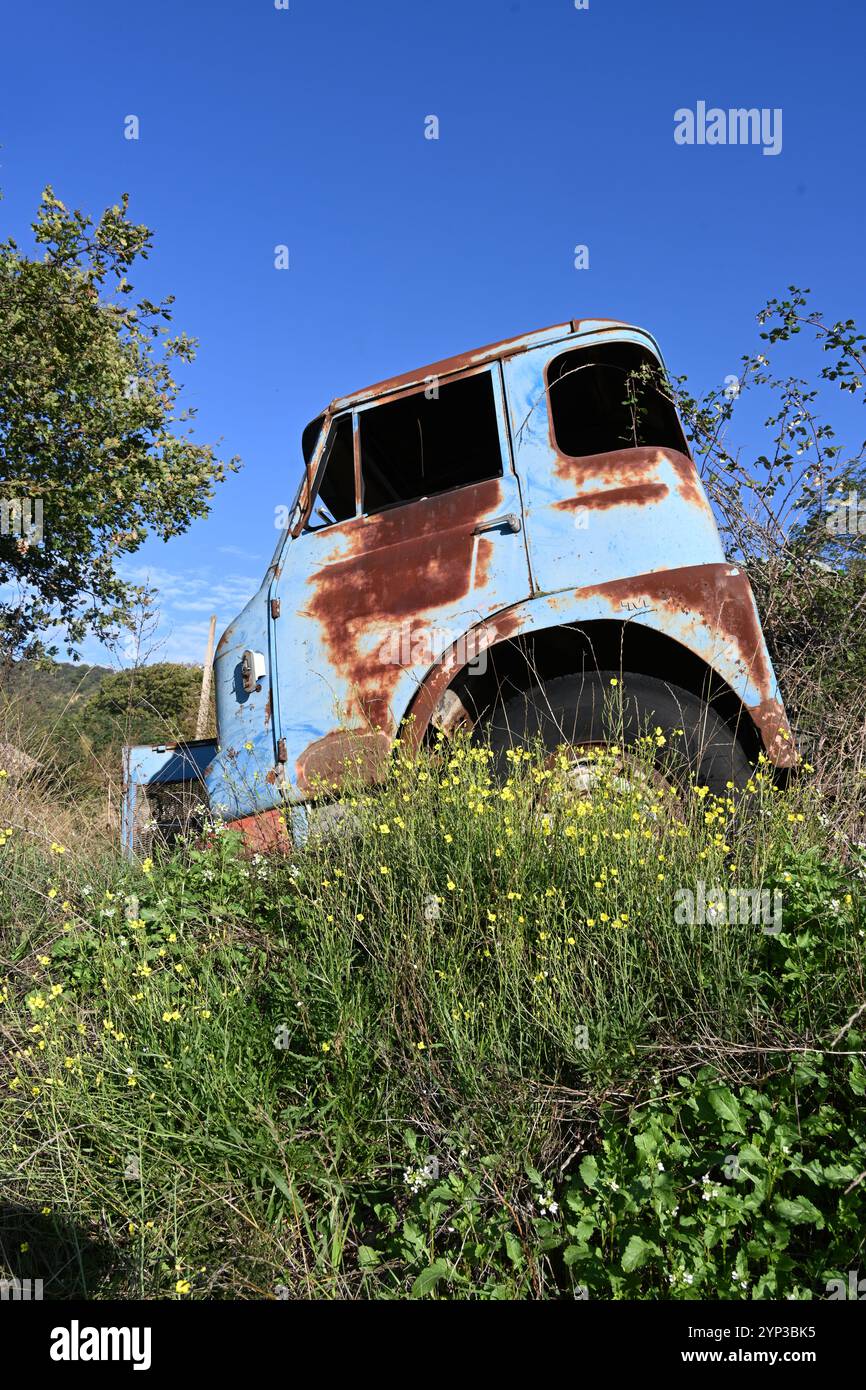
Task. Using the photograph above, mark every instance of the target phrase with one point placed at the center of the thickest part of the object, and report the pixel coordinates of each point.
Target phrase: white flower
(546, 1205)
(416, 1178)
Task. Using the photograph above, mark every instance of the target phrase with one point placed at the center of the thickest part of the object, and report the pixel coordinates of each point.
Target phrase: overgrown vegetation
(461, 1045)
(75, 720)
(476, 1041)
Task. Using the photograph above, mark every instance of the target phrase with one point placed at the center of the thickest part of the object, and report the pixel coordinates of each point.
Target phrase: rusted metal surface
(770, 719)
(347, 755)
(397, 569)
(715, 598)
(364, 622)
(635, 473)
(631, 495)
(708, 609)
(263, 833)
(449, 366)
(491, 352)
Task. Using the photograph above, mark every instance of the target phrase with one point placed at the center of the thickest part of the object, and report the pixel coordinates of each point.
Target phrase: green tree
(148, 704)
(90, 425)
(144, 704)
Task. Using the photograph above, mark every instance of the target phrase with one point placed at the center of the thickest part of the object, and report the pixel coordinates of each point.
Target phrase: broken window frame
(506, 463)
(644, 356)
(330, 427)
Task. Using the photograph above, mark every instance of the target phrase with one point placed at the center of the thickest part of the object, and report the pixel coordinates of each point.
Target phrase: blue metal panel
(599, 518)
(153, 765)
(244, 776)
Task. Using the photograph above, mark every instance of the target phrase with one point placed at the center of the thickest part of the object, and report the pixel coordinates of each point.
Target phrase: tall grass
(388, 1054)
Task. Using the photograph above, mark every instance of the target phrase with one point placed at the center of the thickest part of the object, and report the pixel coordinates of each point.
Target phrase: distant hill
(74, 719)
(33, 697)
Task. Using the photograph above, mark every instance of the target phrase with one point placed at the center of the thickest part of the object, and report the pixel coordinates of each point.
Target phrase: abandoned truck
(487, 543)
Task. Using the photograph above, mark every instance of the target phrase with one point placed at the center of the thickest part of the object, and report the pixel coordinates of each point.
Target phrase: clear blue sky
(305, 126)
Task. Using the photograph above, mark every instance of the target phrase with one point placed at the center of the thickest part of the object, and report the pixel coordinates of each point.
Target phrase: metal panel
(160, 765)
(709, 609)
(368, 605)
(593, 519)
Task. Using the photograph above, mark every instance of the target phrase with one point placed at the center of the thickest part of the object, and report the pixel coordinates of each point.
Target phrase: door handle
(510, 520)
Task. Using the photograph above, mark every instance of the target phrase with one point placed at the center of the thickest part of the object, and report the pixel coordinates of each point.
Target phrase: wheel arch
(535, 642)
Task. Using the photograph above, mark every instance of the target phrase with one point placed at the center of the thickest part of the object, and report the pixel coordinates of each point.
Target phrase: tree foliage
(147, 704)
(90, 423)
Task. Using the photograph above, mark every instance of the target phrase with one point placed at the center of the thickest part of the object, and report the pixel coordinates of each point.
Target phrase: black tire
(570, 710)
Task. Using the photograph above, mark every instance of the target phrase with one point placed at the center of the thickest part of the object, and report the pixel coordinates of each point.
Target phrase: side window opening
(610, 397)
(335, 498)
(429, 442)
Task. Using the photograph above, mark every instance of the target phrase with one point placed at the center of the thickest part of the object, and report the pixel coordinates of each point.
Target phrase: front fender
(709, 609)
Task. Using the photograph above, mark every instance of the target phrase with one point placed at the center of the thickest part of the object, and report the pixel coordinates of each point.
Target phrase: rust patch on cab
(636, 495)
(362, 754)
(263, 833)
(770, 719)
(369, 590)
(633, 468)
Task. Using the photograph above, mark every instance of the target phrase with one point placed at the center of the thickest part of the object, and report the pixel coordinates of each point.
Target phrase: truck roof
(506, 347)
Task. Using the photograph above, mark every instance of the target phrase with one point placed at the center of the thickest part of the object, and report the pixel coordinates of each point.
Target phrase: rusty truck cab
(491, 521)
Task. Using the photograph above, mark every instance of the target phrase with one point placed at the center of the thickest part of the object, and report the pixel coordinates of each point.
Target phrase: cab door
(368, 602)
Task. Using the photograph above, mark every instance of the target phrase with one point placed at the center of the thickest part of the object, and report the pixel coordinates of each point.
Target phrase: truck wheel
(584, 711)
